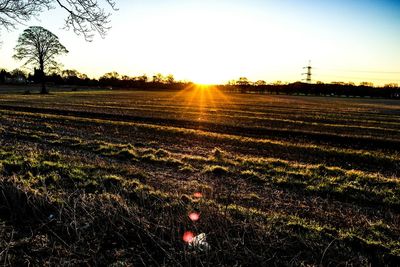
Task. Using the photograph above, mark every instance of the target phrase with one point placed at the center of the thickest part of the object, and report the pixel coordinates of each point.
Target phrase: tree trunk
(43, 78)
(44, 90)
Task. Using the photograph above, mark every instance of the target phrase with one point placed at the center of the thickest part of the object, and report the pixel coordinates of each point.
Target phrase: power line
(358, 78)
(360, 71)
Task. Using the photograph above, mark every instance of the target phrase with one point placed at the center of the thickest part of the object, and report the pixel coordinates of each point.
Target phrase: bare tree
(39, 47)
(84, 16)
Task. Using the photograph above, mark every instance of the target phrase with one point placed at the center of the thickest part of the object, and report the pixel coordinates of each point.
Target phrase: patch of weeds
(71, 141)
(168, 161)
(54, 156)
(103, 148)
(161, 153)
(127, 154)
(48, 127)
(50, 166)
(218, 154)
(5, 155)
(327, 171)
(216, 170)
(187, 168)
(153, 143)
(321, 188)
(279, 163)
(251, 162)
(139, 144)
(148, 158)
(123, 152)
(77, 174)
(382, 231)
(355, 175)
(194, 186)
(52, 179)
(196, 159)
(132, 184)
(111, 180)
(252, 176)
(35, 138)
(289, 182)
(11, 166)
(17, 164)
(251, 197)
(298, 176)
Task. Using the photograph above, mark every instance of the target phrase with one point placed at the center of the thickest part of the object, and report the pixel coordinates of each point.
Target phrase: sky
(209, 41)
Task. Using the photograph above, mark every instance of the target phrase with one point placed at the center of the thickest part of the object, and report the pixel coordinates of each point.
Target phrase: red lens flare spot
(188, 237)
(194, 216)
(198, 195)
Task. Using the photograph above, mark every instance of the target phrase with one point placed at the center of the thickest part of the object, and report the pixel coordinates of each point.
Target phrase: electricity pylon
(308, 73)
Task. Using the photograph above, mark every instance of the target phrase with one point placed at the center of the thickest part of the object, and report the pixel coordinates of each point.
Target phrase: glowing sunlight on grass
(204, 98)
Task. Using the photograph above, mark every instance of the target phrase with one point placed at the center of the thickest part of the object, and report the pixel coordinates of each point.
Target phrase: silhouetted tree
(69, 73)
(158, 78)
(243, 81)
(110, 79)
(260, 83)
(55, 78)
(17, 77)
(73, 77)
(170, 79)
(126, 78)
(143, 78)
(3, 75)
(366, 84)
(39, 47)
(111, 76)
(391, 85)
(84, 16)
(231, 82)
(17, 73)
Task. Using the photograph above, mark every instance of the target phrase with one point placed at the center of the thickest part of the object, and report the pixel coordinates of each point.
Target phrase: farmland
(110, 177)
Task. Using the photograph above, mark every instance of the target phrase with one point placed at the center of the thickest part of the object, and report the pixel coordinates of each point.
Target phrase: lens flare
(194, 216)
(188, 237)
(198, 195)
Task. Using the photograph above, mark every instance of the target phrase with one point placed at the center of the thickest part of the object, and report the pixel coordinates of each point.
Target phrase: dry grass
(111, 178)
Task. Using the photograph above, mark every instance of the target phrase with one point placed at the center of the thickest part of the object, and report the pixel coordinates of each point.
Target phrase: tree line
(39, 48)
(71, 77)
(364, 89)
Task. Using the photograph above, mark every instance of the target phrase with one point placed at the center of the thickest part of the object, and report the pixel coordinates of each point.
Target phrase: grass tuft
(216, 170)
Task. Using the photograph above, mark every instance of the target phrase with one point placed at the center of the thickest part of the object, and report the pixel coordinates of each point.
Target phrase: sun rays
(205, 100)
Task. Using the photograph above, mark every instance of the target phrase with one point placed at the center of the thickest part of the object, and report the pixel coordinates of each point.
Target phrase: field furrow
(298, 180)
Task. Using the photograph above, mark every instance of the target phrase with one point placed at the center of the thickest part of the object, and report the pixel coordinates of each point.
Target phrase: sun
(203, 86)
(206, 81)
(204, 76)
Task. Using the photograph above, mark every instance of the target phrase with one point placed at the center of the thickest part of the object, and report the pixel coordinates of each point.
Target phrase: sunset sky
(209, 41)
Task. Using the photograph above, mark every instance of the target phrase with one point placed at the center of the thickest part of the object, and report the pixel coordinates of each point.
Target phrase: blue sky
(215, 41)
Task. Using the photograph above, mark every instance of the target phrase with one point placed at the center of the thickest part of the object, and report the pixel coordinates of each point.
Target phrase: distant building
(15, 80)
